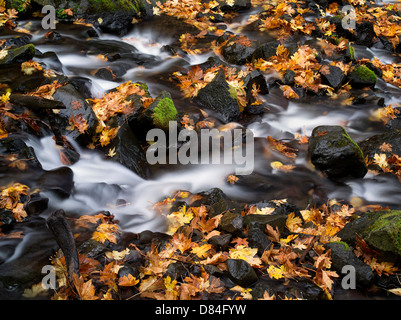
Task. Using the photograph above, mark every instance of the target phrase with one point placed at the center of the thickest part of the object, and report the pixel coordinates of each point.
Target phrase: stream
(99, 181)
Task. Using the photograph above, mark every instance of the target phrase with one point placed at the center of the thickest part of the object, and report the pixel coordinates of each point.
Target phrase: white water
(99, 182)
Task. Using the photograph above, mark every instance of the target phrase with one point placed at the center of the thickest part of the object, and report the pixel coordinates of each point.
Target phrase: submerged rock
(333, 152)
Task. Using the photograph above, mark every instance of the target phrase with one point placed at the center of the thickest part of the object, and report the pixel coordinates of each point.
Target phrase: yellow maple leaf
(275, 273)
(245, 253)
(202, 251)
(106, 231)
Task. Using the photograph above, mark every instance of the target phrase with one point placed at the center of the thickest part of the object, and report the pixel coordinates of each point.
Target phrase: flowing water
(99, 182)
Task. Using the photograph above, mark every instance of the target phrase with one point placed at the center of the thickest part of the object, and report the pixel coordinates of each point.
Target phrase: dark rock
(237, 53)
(240, 272)
(221, 242)
(14, 38)
(213, 270)
(69, 96)
(266, 50)
(381, 230)
(260, 220)
(257, 79)
(342, 255)
(217, 97)
(127, 270)
(334, 78)
(36, 204)
(25, 268)
(333, 152)
(365, 34)
(260, 288)
(60, 181)
(258, 239)
(159, 113)
(238, 5)
(92, 248)
(232, 222)
(371, 146)
(105, 74)
(362, 77)
(288, 77)
(19, 54)
(176, 270)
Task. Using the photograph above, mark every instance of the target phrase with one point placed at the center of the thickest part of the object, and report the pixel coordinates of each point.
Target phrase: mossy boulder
(333, 152)
(18, 55)
(159, 113)
(381, 230)
(362, 77)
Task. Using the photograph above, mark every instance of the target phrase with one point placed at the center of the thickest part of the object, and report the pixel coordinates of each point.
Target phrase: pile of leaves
(184, 264)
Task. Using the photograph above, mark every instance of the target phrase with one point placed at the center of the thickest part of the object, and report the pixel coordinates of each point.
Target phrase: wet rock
(92, 248)
(128, 151)
(365, 34)
(159, 113)
(19, 54)
(60, 181)
(255, 79)
(258, 239)
(36, 204)
(381, 230)
(260, 288)
(237, 5)
(35, 249)
(240, 272)
(266, 50)
(221, 242)
(176, 270)
(342, 255)
(232, 222)
(216, 96)
(334, 76)
(277, 218)
(14, 38)
(333, 152)
(371, 146)
(15, 144)
(362, 77)
(288, 77)
(127, 270)
(76, 106)
(235, 52)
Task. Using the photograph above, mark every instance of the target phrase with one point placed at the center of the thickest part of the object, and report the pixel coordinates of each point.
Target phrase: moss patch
(385, 231)
(164, 112)
(365, 74)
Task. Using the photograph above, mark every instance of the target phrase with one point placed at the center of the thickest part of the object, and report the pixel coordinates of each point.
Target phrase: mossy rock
(164, 112)
(362, 77)
(381, 230)
(20, 54)
(333, 152)
(158, 114)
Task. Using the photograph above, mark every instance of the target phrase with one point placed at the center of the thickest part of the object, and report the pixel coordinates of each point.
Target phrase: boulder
(236, 52)
(19, 54)
(240, 272)
(365, 34)
(217, 97)
(362, 77)
(334, 76)
(333, 152)
(381, 230)
(342, 255)
(236, 5)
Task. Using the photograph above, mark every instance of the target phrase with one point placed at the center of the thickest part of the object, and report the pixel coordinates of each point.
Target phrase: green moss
(112, 5)
(233, 92)
(346, 246)
(164, 112)
(365, 74)
(351, 51)
(385, 231)
(349, 140)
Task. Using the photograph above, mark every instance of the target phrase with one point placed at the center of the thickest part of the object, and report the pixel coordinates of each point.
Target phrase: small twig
(310, 246)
